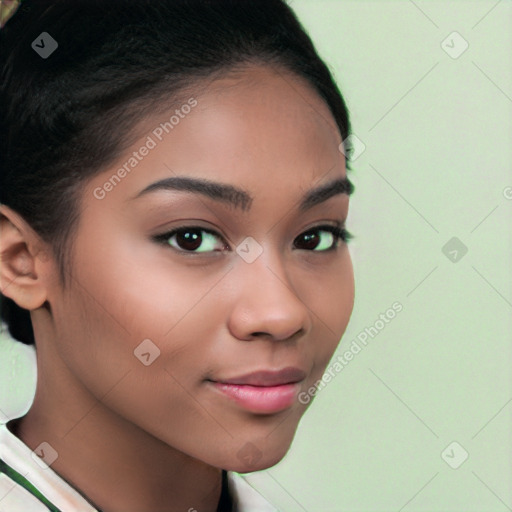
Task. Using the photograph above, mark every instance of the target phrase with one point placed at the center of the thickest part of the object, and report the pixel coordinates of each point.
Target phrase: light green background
(437, 164)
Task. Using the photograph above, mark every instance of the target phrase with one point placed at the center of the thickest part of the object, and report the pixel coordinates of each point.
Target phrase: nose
(265, 303)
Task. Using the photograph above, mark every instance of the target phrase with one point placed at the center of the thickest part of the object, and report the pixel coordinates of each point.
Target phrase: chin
(259, 466)
(253, 458)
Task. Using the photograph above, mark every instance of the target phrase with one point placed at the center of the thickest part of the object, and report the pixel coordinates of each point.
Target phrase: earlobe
(20, 266)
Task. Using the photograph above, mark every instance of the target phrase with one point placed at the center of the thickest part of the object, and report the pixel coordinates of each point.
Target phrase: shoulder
(27, 484)
(245, 496)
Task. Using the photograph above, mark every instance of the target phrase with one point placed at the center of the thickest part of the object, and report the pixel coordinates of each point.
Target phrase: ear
(22, 255)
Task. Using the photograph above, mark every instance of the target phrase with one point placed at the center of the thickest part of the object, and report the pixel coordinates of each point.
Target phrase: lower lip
(261, 399)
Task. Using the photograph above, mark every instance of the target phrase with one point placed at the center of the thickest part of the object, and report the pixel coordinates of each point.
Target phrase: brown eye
(313, 241)
(190, 239)
(198, 240)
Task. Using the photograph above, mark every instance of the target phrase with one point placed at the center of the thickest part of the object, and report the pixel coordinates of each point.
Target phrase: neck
(112, 462)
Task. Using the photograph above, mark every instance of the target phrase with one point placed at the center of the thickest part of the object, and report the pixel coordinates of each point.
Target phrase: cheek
(136, 285)
(98, 334)
(94, 346)
(334, 301)
(120, 297)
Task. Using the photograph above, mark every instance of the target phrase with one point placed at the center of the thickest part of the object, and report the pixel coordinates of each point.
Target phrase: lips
(263, 392)
(288, 375)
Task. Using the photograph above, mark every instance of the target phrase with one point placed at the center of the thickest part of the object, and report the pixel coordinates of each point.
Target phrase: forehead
(260, 127)
(269, 106)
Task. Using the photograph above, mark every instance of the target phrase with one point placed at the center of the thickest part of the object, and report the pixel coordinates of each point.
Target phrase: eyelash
(339, 233)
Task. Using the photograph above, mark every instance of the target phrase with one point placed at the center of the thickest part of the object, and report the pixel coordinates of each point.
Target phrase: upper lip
(288, 375)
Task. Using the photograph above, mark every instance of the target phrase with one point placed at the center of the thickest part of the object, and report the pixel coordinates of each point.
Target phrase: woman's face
(151, 323)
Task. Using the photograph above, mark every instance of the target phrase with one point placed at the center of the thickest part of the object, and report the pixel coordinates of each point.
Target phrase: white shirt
(14, 497)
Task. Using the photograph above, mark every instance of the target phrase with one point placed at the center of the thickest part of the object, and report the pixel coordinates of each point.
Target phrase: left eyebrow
(240, 198)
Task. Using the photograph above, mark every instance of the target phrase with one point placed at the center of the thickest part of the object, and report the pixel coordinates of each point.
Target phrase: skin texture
(132, 437)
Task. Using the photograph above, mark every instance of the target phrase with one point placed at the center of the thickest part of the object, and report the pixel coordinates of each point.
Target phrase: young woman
(173, 205)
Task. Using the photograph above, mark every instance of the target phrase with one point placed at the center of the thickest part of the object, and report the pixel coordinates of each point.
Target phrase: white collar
(20, 457)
